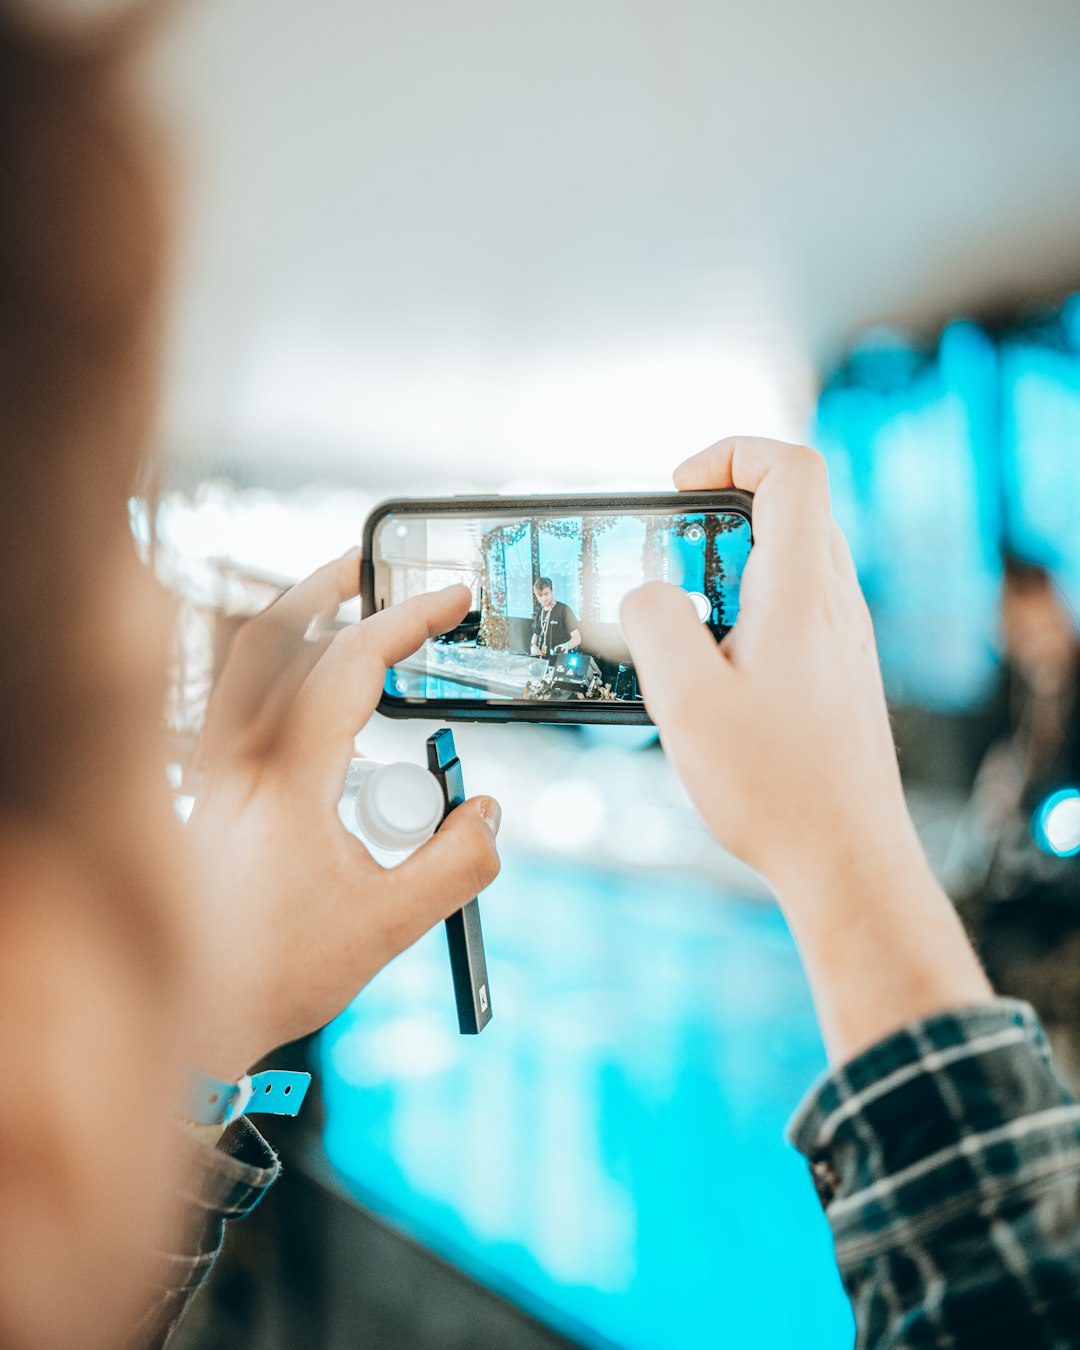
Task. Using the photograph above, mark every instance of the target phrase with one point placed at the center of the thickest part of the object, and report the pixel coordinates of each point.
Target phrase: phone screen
(546, 585)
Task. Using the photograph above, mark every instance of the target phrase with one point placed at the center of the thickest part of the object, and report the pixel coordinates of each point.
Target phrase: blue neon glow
(1056, 824)
(939, 456)
(912, 456)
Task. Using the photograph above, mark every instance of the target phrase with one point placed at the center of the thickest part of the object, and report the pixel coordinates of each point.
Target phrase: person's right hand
(781, 736)
(780, 733)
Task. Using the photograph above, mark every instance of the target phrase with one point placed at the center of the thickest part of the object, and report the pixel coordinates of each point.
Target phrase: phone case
(576, 712)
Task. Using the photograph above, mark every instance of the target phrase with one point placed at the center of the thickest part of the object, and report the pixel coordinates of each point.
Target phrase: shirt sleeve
(221, 1182)
(947, 1159)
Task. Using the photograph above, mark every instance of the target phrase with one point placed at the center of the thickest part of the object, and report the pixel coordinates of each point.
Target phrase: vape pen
(464, 936)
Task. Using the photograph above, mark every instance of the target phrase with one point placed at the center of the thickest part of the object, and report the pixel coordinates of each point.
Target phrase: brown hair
(82, 254)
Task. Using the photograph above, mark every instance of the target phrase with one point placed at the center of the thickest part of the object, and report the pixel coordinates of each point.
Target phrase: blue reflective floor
(609, 1152)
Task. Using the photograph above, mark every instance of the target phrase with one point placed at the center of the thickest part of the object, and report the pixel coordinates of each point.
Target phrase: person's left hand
(300, 915)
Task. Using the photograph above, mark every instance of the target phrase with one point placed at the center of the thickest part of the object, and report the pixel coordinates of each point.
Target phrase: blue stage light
(1055, 825)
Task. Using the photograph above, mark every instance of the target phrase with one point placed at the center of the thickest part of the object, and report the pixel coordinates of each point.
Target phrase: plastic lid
(399, 806)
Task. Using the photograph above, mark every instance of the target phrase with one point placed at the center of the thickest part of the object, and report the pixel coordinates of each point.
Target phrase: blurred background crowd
(444, 247)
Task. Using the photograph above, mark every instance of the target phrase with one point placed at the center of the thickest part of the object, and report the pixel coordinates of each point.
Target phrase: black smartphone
(541, 641)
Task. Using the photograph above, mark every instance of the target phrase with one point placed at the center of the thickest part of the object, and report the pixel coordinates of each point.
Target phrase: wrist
(210, 1135)
(845, 869)
(880, 940)
(219, 1051)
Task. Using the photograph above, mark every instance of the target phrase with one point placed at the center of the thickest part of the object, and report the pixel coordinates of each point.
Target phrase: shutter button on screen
(701, 605)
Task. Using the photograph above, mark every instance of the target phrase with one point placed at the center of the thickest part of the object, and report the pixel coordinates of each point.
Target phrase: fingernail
(355, 552)
(491, 812)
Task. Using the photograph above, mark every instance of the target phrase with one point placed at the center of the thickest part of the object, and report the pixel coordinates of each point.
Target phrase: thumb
(677, 659)
(455, 865)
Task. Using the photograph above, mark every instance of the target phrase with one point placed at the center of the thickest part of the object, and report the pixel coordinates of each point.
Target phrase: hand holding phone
(788, 718)
(782, 739)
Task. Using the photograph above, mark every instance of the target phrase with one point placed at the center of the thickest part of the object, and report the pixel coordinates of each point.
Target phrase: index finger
(323, 592)
(269, 658)
(343, 690)
(793, 524)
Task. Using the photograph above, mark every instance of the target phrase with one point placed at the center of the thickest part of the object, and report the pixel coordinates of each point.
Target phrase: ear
(76, 1067)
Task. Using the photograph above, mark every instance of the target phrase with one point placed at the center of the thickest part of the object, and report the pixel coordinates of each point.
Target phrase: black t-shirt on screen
(553, 627)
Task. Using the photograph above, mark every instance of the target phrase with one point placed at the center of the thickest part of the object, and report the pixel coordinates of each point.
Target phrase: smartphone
(541, 641)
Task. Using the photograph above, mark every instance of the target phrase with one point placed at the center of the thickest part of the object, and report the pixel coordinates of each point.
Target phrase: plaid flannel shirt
(223, 1182)
(947, 1158)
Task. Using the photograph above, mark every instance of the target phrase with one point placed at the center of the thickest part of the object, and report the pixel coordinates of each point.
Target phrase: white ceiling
(489, 241)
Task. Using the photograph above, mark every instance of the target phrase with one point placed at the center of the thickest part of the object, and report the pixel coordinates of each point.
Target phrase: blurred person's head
(544, 591)
(1038, 629)
(91, 936)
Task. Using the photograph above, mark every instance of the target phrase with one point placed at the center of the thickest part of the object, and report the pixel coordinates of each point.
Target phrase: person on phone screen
(555, 627)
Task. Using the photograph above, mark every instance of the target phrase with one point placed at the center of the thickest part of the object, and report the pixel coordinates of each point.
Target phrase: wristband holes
(268, 1087)
(288, 1089)
(212, 1099)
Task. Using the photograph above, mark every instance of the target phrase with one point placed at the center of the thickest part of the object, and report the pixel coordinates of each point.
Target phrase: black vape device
(464, 935)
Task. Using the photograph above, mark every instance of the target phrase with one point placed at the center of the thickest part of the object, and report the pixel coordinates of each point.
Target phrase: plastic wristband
(211, 1101)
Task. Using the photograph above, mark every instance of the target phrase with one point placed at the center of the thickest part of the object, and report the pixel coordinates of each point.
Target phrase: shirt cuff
(942, 1110)
(229, 1179)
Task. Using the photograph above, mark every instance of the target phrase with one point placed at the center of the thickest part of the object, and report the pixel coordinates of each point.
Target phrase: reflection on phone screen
(546, 590)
